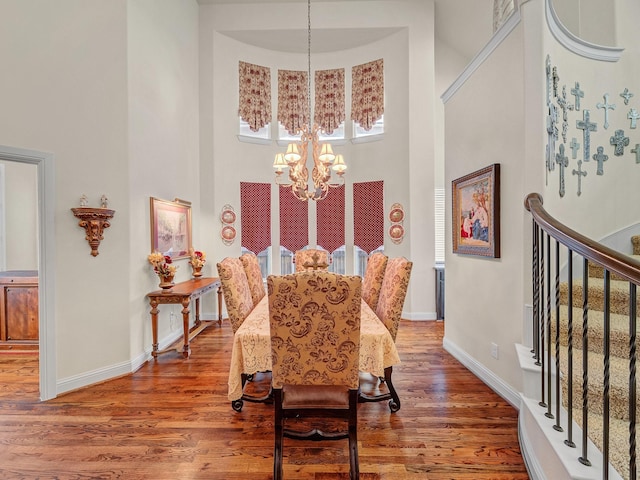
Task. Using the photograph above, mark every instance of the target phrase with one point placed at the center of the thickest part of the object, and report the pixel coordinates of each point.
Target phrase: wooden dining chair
(373, 277)
(315, 344)
(254, 276)
(393, 292)
(311, 259)
(236, 291)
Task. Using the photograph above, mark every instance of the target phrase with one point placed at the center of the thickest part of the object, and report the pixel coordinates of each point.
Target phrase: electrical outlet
(494, 350)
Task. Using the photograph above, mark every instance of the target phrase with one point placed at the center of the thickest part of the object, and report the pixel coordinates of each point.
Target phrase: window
(262, 134)
(264, 259)
(360, 259)
(285, 136)
(377, 129)
(286, 261)
(438, 203)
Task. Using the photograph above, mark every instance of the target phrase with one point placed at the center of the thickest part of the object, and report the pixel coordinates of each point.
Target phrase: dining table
(251, 354)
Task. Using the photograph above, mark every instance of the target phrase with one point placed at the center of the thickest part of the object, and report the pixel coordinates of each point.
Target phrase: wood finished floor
(172, 420)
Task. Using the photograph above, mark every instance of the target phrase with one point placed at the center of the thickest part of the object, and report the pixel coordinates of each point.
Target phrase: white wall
(111, 89)
(404, 159)
(605, 205)
(485, 123)
(21, 215)
(163, 144)
(66, 94)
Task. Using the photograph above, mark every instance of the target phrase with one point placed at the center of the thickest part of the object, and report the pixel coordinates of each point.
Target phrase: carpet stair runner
(619, 360)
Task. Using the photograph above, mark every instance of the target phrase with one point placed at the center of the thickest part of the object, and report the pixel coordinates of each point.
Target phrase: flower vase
(166, 282)
(196, 271)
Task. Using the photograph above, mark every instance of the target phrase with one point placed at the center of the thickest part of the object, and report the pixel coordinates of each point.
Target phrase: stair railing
(546, 231)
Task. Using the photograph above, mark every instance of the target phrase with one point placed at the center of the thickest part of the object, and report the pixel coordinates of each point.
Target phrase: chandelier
(297, 153)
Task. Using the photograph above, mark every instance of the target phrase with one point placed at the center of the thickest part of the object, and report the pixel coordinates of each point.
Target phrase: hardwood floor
(172, 420)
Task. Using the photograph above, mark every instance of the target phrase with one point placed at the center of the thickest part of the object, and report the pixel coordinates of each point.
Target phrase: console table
(182, 293)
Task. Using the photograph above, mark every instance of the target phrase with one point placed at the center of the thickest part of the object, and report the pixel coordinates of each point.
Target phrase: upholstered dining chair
(236, 291)
(393, 292)
(373, 277)
(315, 343)
(311, 259)
(254, 276)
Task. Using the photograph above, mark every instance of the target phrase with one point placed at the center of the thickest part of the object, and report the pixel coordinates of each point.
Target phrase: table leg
(185, 326)
(154, 327)
(197, 321)
(219, 305)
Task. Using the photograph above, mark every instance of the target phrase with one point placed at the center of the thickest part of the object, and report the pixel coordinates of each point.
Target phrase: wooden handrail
(623, 265)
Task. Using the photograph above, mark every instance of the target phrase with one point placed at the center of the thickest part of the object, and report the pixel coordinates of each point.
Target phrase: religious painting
(171, 227)
(476, 213)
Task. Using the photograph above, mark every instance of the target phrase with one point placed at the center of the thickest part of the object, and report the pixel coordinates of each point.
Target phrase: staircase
(618, 346)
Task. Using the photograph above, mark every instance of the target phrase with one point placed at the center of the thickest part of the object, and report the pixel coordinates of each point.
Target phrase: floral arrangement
(162, 264)
(198, 258)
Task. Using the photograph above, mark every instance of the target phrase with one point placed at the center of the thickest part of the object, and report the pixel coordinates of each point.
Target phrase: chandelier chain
(311, 121)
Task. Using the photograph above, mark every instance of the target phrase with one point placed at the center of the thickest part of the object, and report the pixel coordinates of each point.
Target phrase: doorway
(44, 163)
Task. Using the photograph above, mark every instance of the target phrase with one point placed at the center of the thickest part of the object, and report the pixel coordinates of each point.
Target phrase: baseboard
(113, 371)
(483, 373)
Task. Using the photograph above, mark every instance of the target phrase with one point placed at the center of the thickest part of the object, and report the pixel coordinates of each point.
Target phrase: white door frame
(46, 248)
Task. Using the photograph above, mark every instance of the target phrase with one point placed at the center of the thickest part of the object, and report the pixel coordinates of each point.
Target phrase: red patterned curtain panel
(329, 103)
(367, 93)
(293, 100)
(368, 215)
(255, 95)
(330, 220)
(255, 216)
(294, 221)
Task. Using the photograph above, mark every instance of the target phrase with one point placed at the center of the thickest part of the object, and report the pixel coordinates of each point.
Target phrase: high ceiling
(463, 25)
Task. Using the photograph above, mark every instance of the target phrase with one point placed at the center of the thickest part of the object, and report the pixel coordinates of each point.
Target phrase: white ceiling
(463, 25)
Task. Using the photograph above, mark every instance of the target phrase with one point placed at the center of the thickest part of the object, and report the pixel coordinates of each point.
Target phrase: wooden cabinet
(19, 309)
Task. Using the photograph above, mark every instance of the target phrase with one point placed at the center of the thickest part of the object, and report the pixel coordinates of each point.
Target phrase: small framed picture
(170, 228)
(476, 213)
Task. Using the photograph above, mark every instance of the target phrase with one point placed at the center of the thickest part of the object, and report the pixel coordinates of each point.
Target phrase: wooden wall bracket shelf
(94, 221)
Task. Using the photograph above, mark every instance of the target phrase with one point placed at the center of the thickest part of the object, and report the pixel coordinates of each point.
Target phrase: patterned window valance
(293, 103)
(368, 215)
(294, 219)
(367, 93)
(329, 102)
(255, 216)
(255, 95)
(330, 219)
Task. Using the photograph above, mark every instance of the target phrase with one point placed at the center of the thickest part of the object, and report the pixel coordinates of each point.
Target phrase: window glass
(360, 259)
(264, 259)
(377, 129)
(245, 131)
(284, 135)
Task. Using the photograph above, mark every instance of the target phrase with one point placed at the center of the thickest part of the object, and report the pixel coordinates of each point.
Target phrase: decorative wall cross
(620, 141)
(626, 95)
(548, 75)
(575, 146)
(563, 162)
(633, 115)
(600, 158)
(581, 173)
(565, 106)
(607, 106)
(587, 127)
(576, 92)
(556, 79)
(552, 135)
(637, 152)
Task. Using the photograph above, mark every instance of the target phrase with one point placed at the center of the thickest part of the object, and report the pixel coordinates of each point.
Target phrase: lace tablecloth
(252, 346)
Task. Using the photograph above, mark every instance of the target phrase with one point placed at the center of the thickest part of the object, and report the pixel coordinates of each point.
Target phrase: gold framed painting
(170, 227)
(476, 213)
